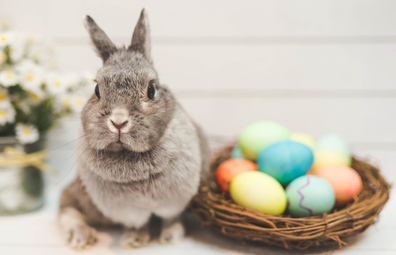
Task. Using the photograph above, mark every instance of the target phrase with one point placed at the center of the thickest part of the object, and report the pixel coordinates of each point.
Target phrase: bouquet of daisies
(33, 94)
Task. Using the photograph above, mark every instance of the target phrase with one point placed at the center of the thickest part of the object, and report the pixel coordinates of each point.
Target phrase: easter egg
(258, 191)
(309, 195)
(231, 168)
(303, 138)
(324, 157)
(237, 153)
(285, 161)
(333, 142)
(257, 136)
(345, 182)
(331, 150)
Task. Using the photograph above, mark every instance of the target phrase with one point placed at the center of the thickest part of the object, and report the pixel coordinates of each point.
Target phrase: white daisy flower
(31, 76)
(65, 101)
(7, 114)
(33, 38)
(36, 54)
(56, 83)
(77, 103)
(51, 64)
(73, 80)
(6, 38)
(43, 56)
(50, 47)
(41, 50)
(17, 51)
(3, 57)
(4, 24)
(18, 37)
(37, 95)
(26, 133)
(8, 77)
(4, 99)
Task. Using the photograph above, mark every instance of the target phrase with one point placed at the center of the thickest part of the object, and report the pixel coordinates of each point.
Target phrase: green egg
(333, 142)
(258, 135)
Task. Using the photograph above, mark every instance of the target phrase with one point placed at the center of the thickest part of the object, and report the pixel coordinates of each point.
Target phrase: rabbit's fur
(153, 164)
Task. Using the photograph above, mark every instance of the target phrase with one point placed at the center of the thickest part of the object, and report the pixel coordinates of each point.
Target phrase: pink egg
(345, 182)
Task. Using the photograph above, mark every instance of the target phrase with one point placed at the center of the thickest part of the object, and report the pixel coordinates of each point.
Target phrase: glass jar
(21, 188)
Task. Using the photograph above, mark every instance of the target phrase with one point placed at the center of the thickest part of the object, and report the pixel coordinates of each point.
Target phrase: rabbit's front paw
(80, 236)
(135, 238)
(172, 234)
(76, 232)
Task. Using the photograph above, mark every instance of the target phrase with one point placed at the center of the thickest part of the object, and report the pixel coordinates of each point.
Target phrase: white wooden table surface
(315, 66)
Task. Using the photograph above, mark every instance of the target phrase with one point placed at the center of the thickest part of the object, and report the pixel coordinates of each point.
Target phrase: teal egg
(333, 142)
(309, 195)
(237, 153)
(285, 160)
(257, 136)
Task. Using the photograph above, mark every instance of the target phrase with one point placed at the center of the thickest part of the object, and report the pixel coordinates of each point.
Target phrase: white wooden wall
(316, 66)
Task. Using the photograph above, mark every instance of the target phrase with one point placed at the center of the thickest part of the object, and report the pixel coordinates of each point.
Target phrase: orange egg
(231, 168)
(345, 182)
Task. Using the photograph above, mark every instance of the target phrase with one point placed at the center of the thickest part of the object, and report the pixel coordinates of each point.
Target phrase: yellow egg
(325, 157)
(258, 191)
(303, 138)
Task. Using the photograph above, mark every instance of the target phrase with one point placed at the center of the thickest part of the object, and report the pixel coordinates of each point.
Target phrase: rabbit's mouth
(116, 146)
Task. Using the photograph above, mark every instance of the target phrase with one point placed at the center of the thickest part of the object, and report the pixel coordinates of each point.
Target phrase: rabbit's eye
(151, 90)
(97, 91)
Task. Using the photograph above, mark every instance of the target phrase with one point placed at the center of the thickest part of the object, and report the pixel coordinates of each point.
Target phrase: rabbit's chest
(175, 168)
(132, 204)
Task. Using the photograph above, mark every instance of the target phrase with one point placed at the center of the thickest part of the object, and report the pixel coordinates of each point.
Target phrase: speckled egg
(345, 181)
(303, 138)
(237, 153)
(257, 136)
(285, 161)
(309, 195)
(258, 191)
(231, 168)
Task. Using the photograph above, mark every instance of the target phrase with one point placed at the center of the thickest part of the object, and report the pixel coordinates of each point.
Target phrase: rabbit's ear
(141, 37)
(102, 43)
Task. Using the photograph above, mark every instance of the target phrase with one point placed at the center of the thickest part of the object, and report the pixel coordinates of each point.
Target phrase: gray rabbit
(140, 153)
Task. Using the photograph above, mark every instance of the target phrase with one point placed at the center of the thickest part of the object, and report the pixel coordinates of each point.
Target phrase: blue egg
(285, 160)
(237, 153)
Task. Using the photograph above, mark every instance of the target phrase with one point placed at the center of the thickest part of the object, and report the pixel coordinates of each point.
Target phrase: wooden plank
(209, 18)
(357, 120)
(262, 67)
(364, 123)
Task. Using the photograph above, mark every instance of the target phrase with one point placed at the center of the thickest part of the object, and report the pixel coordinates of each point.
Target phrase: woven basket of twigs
(222, 214)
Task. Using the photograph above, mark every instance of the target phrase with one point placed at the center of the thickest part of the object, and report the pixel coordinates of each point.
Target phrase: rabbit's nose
(119, 126)
(119, 121)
